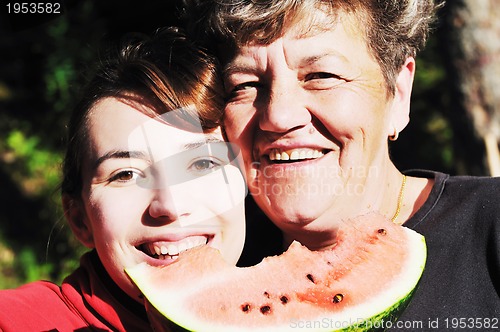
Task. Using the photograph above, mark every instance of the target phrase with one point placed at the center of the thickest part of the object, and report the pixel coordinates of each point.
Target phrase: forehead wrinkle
(252, 59)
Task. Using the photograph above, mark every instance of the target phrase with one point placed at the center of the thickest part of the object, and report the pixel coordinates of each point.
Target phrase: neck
(314, 240)
(381, 194)
(384, 192)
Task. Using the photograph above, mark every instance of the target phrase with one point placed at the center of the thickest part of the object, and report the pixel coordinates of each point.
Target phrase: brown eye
(124, 176)
(244, 91)
(322, 81)
(320, 75)
(203, 165)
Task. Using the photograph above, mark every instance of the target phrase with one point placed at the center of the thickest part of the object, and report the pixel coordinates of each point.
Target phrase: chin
(232, 249)
(296, 215)
(232, 256)
(306, 204)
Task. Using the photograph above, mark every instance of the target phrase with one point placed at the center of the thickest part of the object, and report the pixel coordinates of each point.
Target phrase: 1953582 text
(33, 8)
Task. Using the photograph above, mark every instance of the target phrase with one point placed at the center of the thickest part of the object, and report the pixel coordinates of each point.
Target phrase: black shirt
(460, 287)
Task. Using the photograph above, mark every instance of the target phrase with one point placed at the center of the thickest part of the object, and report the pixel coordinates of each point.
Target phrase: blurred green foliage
(44, 63)
(30, 210)
(31, 165)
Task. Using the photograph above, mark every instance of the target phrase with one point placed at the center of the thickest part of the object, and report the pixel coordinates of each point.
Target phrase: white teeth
(295, 154)
(163, 257)
(182, 247)
(172, 250)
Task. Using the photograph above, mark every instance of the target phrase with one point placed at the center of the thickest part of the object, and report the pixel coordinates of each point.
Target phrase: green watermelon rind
(388, 318)
(371, 320)
(382, 321)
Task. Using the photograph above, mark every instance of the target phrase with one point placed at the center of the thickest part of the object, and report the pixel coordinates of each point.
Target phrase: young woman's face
(152, 190)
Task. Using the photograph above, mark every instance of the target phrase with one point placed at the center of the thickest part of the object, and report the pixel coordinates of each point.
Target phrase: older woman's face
(312, 117)
(152, 190)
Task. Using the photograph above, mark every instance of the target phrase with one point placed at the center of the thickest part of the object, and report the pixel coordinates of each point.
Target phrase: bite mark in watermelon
(362, 283)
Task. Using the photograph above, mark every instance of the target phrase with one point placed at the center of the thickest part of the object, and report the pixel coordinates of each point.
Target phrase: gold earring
(394, 136)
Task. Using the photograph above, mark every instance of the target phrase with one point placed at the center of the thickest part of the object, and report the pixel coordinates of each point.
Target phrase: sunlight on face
(152, 190)
(311, 116)
(201, 164)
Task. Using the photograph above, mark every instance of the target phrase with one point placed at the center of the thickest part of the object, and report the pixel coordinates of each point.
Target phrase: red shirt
(87, 300)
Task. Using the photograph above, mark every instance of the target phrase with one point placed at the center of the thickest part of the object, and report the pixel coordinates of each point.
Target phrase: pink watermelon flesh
(371, 254)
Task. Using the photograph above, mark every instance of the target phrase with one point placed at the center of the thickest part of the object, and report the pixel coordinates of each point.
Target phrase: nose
(285, 109)
(164, 207)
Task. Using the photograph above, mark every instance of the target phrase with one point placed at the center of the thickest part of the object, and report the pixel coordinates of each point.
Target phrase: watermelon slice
(362, 283)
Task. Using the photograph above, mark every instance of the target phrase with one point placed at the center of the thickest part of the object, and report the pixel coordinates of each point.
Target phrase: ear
(77, 218)
(400, 112)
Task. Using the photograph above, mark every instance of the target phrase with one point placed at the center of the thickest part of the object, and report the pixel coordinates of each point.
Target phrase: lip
(182, 242)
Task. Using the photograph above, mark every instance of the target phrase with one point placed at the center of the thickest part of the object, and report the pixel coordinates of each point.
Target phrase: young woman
(147, 175)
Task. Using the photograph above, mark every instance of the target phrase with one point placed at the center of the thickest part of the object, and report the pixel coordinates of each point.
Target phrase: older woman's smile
(295, 154)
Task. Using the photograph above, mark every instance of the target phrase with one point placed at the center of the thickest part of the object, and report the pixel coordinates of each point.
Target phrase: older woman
(315, 90)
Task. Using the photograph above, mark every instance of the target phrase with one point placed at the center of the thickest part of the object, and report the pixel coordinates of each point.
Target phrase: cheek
(233, 233)
(241, 128)
(112, 210)
(238, 121)
(218, 192)
(346, 114)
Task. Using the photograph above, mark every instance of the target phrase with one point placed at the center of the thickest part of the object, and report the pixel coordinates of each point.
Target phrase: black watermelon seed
(284, 299)
(338, 298)
(265, 309)
(245, 307)
(266, 294)
(310, 277)
(382, 231)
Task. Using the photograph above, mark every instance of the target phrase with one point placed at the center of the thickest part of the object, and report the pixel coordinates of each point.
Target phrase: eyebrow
(123, 154)
(315, 58)
(119, 154)
(232, 68)
(208, 140)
